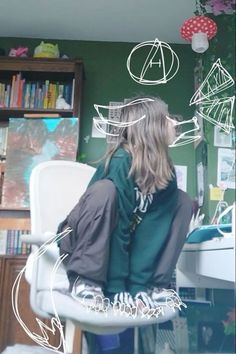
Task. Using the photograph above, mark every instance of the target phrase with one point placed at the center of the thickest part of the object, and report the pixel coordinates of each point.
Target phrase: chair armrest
(37, 239)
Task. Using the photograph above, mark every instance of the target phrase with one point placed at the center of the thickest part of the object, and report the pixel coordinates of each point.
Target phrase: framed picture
(101, 132)
(181, 174)
(226, 169)
(200, 183)
(31, 141)
(221, 138)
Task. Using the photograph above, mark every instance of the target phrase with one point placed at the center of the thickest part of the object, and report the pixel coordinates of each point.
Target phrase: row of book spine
(34, 95)
(11, 244)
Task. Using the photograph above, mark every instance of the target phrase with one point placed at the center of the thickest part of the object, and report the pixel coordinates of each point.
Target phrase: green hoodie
(142, 228)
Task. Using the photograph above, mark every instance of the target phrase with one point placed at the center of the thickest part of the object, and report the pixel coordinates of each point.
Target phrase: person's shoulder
(121, 153)
(120, 159)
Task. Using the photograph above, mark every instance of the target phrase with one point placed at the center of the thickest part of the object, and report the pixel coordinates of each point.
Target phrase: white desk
(209, 264)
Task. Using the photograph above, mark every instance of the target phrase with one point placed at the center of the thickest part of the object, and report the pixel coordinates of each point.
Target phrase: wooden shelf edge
(13, 209)
(34, 110)
(15, 224)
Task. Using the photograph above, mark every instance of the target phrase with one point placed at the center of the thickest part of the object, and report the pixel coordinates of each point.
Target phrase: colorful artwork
(31, 141)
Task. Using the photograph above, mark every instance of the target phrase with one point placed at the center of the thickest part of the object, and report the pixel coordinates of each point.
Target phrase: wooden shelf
(5, 113)
(39, 64)
(63, 71)
(35, 110)
(14, 218)
(34, 70)
(13, 209)
(2, 169)
(15, 224)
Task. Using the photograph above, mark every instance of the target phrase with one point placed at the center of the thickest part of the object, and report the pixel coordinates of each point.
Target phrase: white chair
(55, 187)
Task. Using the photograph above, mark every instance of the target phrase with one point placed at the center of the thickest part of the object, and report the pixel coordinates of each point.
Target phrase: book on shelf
(72, 93)
(3, 140)
(26, 96)
(32, 96)
(2, 171)
(11, 244)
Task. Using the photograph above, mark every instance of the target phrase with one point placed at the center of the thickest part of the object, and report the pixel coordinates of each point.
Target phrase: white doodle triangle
(217, 80)
(220, 108)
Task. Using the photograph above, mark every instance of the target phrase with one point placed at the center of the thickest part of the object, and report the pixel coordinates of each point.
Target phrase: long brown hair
(147, 142)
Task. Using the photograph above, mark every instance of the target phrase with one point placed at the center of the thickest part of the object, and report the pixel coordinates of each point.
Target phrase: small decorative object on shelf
(61, 103)
(46, 50)
(18, 52)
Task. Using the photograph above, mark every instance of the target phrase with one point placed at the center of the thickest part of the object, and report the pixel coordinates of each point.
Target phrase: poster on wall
(181, 175)
(200, 131)
(226, 169)
(31, 141)
(200, 183)
(221, 138)
(98, 133)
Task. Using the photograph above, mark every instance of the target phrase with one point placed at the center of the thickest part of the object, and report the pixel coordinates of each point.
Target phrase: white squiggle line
(53, 274)
(218, 111)
(186, 139)
(223, 80)
(99, 124)
(222, 108)
(42, 341)
(115, 123)
(155, 46)
(131, 103)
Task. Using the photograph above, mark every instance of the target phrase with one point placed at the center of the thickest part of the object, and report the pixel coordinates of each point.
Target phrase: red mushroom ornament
(198, 29)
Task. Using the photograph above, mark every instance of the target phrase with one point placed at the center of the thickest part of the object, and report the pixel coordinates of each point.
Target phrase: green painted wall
(107, 79)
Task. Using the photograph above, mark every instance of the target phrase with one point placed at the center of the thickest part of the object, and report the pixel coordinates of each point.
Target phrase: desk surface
(209, 264)
(217, 243)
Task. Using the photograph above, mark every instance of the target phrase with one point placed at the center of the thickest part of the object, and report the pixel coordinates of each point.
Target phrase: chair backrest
(55, 188)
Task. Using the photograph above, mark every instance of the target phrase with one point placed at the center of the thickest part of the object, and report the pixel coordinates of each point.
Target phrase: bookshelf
(28, 86)
(20, 77)
(31, 86)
